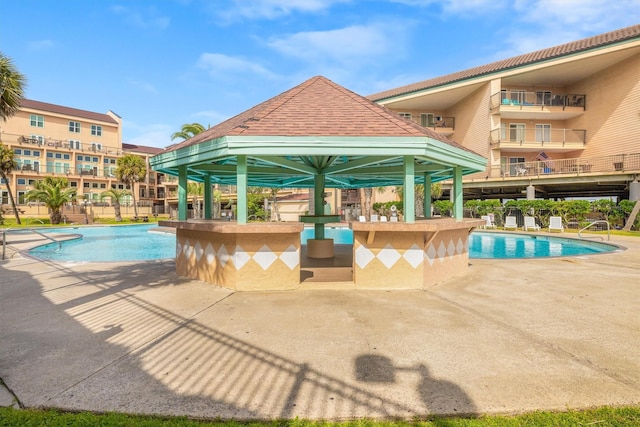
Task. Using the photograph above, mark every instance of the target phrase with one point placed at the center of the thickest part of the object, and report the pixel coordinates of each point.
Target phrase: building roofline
(564, 50)
(67, 111)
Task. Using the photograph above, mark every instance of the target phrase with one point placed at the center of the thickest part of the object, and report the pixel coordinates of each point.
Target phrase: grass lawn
(600, 417)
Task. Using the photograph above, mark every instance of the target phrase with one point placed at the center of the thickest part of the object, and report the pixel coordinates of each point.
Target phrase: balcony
(537, 105)
(619, 163)
(443, 125)
(533, 139)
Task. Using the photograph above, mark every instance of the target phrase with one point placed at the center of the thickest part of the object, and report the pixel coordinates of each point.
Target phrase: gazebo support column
(318, 205)
(182, 193)
(409, 190)
(241, 175)
(207, 197)
(427, 195)
(319, 247)
(458, 201)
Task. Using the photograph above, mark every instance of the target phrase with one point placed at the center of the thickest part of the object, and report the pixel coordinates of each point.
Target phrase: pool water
(110, 243)
(138, 243)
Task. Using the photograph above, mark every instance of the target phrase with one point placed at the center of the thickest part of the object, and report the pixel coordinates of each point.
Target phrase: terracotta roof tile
(141, 148)
(317, 107)
(59, 109)
(516, 61)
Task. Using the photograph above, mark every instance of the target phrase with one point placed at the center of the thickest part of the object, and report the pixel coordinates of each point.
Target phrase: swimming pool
(109, 243)
(138, 243)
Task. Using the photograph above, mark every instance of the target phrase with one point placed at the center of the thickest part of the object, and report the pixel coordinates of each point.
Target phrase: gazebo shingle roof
(316, 107)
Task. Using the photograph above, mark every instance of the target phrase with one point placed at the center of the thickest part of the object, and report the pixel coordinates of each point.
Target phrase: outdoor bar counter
(255, 256)
(398, 255)
(266, 256)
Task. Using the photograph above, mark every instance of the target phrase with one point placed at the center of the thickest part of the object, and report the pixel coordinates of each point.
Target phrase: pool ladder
(31, 230)
(601, 221)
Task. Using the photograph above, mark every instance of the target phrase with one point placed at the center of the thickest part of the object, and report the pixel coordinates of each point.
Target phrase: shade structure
(317, 129)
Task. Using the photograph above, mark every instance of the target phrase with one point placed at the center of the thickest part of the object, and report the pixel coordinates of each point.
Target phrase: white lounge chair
(488, 221)
(362, 218)
(530, 224)
(374, 218)
(383, 218)
(510, 223)
(555, 223)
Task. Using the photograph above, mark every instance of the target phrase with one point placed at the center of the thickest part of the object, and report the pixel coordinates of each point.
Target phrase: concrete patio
(505, 337)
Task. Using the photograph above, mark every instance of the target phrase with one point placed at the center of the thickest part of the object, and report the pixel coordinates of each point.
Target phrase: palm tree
(275, 212)
(7, 165)
(195, 190)
(131, 169)
(436, 193)
(188, 130)
(12, 85)
(116, 196)
(54, 192)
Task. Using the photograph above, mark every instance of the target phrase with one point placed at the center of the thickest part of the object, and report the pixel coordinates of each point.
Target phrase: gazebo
(316, 135)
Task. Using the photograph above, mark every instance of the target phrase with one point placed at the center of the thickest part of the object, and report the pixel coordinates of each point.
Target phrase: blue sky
(160, 64)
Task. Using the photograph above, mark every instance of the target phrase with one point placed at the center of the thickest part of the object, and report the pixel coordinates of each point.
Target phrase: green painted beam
(458, 201)
(242, 189)
(409, 204)
(318, 205)
(427, 195)
(182, 193)
(354, 164)
(208, 200)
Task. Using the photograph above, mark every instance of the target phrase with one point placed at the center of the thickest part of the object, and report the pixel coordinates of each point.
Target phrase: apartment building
(557, 123)
(81, 145)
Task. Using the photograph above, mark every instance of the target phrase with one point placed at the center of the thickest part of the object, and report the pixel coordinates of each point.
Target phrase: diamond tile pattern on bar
(291, 257)
(264, 257)
(240, 257)
(414, 255)
(388, 256)
(363, 256)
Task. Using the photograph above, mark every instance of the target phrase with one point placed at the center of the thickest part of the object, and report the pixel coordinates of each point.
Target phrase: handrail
(600, 221)
(32, 230)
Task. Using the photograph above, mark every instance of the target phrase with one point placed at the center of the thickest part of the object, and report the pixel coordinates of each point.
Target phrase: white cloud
(220, 66)
(272, 9)
(41, 44)
(154, 135)
(147, 19)
(346, 45)
(144, 86)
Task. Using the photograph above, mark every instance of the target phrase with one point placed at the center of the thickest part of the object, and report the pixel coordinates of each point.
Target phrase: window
(87, 158)
(22, 181)
(516, 132)
(75, 145)
(27, 152)
(426, 120)
(58, 155)
(21, 200)
(96, 130)
(94, 159)
(74, 127)
(37, 121)
(73, 184)
(96, 147)
(103, 185)
(79, 158)
(543, 97)
(17, 151)
(543, 133)
(94, 185)
(405, 115)
(36, 153)
(50, 155)
(85, 185)
(515, 165)
(31, 182)
(66, 156)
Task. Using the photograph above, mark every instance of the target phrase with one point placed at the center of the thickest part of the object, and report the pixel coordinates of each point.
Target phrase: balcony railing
(540, 99)
(577, 166)
(539, 137)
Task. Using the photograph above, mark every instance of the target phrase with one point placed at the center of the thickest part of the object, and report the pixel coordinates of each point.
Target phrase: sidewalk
(505, 337)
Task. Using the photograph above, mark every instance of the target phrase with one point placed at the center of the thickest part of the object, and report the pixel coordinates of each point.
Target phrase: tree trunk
(632, 217)
(55, 216)
(116, 210)
(368, 192)
(11, 199)
(133, 196)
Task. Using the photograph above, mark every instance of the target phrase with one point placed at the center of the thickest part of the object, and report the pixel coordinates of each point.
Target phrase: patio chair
(374, 218)
(530, 224)
(488, 221)
(362, 218)
(555, 223)
(383, 218)
(510, 223)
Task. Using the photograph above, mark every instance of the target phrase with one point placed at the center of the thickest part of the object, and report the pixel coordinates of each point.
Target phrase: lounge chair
(488, 222)
(362, 218)
(374, 218)
(555, 223)
(510, 223)
(530, 224)
(383, 218)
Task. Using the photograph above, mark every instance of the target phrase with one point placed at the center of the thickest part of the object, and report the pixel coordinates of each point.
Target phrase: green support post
(409, 204)
(207, 197)
(318, 205)
(427, 195)
(182, 193)
(458, 200)
(241, 174)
